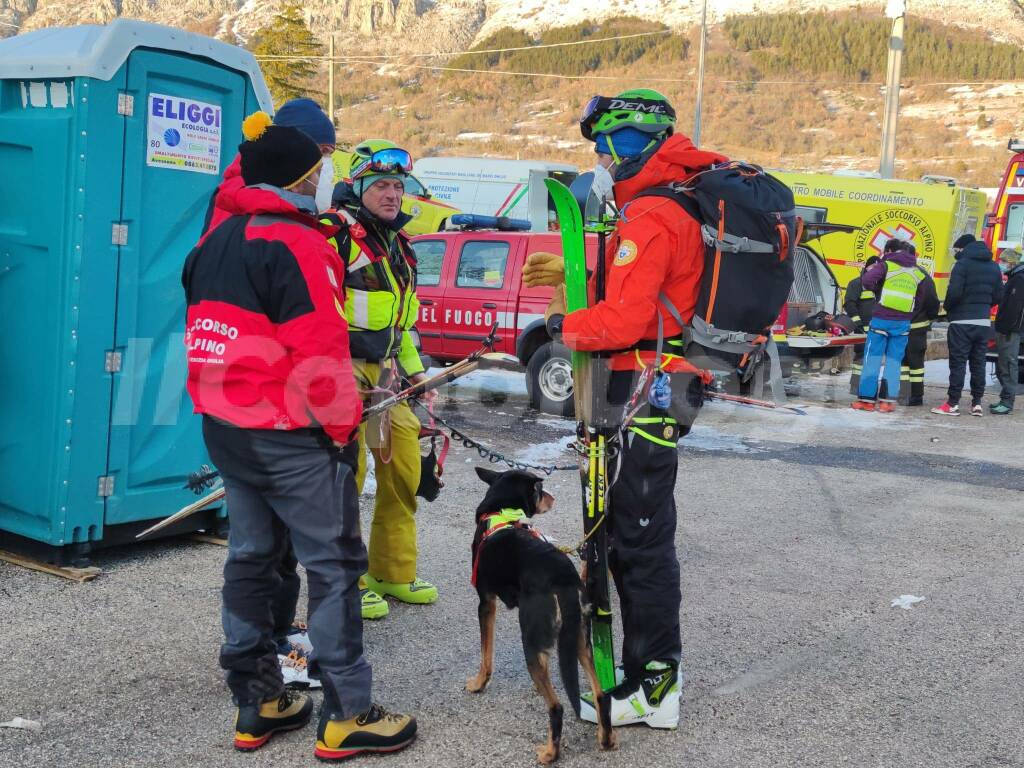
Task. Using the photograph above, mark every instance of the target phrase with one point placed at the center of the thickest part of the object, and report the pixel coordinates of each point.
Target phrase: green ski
(594, 462)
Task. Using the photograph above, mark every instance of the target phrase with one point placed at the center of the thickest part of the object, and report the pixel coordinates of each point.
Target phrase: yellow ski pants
(396, 457)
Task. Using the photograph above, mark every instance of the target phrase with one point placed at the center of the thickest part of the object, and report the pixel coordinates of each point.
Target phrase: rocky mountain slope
(450, 25)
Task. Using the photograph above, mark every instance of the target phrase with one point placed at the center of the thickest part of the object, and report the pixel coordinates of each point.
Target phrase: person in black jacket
(859, 304)
(912, 371)
(1009, 322)
(975, 286)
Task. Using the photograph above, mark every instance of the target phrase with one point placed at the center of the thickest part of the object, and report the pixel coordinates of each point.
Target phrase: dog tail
(568, 643)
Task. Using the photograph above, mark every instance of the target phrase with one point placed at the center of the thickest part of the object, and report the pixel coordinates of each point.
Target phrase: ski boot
(417, 592)
(653, 700)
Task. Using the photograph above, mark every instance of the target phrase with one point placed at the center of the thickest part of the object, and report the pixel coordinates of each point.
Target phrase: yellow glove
(543, 269)
(557, 304)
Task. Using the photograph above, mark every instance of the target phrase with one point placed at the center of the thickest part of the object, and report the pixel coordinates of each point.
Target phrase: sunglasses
(393, 160)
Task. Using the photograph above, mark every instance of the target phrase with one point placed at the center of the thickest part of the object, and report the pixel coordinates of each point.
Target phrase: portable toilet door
(101, 436)
(178, 101)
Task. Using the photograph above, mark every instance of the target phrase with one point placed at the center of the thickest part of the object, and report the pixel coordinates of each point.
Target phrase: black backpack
(750, 228)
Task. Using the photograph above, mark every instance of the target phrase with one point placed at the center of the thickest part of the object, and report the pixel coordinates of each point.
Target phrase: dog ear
(487, 475)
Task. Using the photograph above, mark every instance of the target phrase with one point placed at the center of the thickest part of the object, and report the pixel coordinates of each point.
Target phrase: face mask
(325, 187)
(603, 183)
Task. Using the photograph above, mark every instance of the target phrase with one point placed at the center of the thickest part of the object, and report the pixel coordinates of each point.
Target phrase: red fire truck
(1004, 227)
(469, 280)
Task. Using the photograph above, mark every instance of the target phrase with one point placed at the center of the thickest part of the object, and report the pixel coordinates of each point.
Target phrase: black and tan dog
(513, 562)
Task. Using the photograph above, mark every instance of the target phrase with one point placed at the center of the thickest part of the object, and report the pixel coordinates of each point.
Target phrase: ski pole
(754, 403)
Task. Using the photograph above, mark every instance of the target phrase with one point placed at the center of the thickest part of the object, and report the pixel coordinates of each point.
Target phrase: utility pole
(330, 79)
(895, 10)
(700, 74)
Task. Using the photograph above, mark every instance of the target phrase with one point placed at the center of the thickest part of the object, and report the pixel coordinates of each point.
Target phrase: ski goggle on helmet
(642, 108)
(389, 160)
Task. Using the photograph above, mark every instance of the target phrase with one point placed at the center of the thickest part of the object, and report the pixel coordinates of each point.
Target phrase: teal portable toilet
(112, 140)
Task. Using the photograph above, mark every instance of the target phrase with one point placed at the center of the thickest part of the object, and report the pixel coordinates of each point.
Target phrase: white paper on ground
(20, 722)
(906, 602)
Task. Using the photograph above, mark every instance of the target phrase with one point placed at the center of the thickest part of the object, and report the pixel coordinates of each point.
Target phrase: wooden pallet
(81, 575)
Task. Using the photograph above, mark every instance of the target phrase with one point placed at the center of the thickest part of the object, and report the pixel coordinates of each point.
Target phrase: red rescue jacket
(655, 248)
(230, 184)
(265, 331)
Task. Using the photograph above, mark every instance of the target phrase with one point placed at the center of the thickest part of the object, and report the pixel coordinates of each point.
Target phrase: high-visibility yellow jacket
(380, 287)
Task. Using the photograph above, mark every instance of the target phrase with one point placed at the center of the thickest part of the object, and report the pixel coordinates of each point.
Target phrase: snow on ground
(936, 373)
(370, 483)
(553, 141)
(1008, 90)
(488, 381)
(740, 423)
(565, 425)
(707, 438)
(543, 453)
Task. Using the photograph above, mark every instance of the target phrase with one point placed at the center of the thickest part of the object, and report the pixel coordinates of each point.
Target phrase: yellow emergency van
(428, 215)
(930, 214)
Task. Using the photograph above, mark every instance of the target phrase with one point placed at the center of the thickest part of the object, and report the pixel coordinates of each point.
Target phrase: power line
(725, 81)
(530, 47)
(551, 74)
(373, 57)
(507, 73)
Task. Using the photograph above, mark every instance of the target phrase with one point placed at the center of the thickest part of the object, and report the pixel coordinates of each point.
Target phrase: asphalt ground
(796, 533)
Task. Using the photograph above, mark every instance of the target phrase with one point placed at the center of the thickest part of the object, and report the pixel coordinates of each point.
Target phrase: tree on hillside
(288, 35)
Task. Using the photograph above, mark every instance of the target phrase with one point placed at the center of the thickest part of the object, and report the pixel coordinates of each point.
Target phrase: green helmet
(375, 159)
(364, 149)
(640, 108)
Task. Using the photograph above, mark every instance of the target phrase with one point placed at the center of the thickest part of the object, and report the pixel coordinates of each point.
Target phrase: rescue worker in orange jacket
(656, 249)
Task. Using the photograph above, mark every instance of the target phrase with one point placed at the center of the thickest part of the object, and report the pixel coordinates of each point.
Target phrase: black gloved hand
(349, 453)
(554, 327)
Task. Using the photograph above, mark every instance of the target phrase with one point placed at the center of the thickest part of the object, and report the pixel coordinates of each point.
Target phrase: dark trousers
(1008, 365)
(291, 484)
(912, 371)
(642, 544)
(287, 598)
(967, 345)
(857, 368)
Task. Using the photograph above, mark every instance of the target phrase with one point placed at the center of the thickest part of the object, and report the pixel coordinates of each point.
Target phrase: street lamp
(700, 74)
(895, 10)
(330, 78)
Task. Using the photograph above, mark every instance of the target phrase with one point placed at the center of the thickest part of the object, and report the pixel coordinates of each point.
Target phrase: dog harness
(497, 523)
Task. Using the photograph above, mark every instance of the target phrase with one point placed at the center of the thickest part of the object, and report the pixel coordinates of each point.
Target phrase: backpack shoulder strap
(685, 201)
(666, 302)
(709, 233)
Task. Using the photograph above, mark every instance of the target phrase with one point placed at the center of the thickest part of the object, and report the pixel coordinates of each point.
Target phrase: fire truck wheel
(549, 380)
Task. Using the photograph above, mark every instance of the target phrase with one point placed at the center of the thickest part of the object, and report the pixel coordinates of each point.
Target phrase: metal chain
(494, 457)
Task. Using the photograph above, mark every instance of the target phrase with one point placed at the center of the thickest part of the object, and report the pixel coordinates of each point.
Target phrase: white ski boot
(652, 701)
